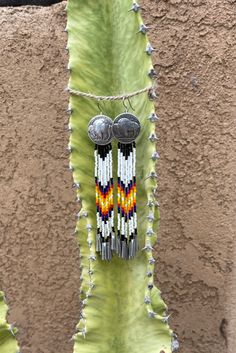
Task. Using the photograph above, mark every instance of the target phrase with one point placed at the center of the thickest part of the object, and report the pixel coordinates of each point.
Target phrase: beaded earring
(126, 128)
(100, 132)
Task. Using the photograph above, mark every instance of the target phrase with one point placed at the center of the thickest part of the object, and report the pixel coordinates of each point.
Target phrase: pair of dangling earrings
(121, 239)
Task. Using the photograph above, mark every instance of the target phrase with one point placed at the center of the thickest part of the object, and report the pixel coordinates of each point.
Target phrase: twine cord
(111, 98)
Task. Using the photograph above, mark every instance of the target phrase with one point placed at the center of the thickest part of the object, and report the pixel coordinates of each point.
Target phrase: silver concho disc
(100, 129)
(126, 128)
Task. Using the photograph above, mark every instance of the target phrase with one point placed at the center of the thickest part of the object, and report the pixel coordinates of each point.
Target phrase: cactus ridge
(109, 54)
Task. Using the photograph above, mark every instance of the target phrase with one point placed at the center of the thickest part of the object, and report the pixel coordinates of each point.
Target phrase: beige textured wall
(39, 259)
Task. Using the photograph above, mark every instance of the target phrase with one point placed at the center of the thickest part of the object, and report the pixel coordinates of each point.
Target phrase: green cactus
(123, 311)
(8, 343)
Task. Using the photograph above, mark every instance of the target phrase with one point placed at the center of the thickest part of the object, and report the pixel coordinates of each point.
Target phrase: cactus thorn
(76, 185)
(75, 231)
(69, 149)
(151, 314)
(135, 7)
(151, 261)
(150, 232)
(143, 29)
(149, 49)
(155, 156)
(81, 214)
(152, 175)
(174, 343)
(149, 273)
(147, 300)
(157, 204)
(91, 284)
(166, 318)
(69, 128)
(71, 168)
(69, 110)
(150, 286)
(148, 247)
(150, 217)
(92, 257)
(11, 328)
(152, 73)
(152, 95)
(153, 137)
(90, 242)
(150, 203)
(153, 118)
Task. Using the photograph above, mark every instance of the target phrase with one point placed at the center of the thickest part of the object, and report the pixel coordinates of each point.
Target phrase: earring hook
(131, 105)
(99, 107)
(126, 108)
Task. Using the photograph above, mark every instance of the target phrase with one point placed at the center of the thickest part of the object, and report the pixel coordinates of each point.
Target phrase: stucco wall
(39, 258)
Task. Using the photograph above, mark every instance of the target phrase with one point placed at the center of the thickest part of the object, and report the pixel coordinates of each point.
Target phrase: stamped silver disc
(126, 128)
(100, 129)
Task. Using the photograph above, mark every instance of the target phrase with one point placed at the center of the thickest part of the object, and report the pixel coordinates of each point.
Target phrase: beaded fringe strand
(127, 244)
(105, 240)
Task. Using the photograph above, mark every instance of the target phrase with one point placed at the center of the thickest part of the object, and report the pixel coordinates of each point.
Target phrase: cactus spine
(109, 54)
(8, 343)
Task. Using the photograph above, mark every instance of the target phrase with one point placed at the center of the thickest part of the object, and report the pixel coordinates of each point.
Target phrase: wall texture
(39, 259)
